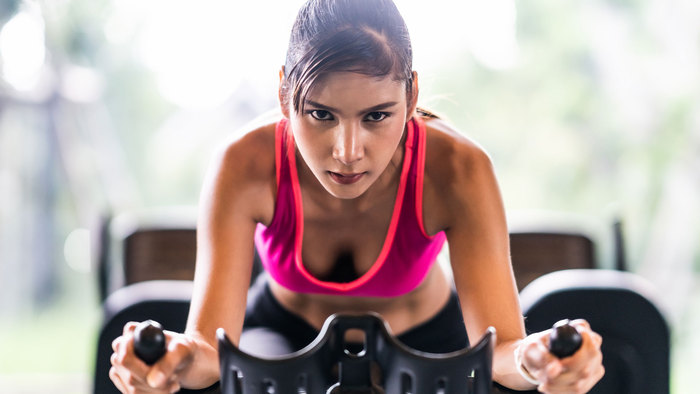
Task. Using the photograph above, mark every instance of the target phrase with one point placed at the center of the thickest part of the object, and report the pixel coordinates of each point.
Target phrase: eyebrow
(373, 108)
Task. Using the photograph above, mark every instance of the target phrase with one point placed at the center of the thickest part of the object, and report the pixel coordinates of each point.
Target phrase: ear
(280, 95)
(413, 99)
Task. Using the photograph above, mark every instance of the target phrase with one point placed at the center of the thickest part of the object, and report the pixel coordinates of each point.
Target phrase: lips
(345, 179)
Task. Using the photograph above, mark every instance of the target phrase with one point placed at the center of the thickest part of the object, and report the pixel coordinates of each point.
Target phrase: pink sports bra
(406, 255)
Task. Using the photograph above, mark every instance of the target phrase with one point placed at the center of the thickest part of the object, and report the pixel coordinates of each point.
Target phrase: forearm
(505, 368)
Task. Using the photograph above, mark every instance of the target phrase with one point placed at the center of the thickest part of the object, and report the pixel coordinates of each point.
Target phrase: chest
(342, 246)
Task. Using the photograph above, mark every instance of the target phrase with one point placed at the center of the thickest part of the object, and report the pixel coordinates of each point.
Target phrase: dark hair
(364, 36)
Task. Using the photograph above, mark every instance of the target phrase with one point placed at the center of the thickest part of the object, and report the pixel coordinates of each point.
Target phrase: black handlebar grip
(564, 340)
(149, 341)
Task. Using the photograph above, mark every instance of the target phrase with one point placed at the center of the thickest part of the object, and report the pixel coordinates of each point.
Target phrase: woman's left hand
(575, 374)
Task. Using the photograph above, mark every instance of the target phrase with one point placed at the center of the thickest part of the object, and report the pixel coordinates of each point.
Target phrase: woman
(349, 198)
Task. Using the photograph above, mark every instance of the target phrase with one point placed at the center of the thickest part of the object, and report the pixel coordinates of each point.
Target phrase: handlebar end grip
(149, 341)
(564, 340)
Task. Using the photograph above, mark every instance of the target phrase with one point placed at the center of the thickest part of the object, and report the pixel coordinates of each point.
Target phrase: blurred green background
(591, 108)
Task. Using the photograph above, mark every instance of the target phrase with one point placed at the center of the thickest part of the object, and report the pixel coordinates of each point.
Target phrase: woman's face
(349, 130)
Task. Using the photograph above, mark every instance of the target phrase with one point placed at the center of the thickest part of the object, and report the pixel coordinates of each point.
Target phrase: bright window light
(76, 250)
(491, 32)
(22, 50)
(201, 51)
(486, 28)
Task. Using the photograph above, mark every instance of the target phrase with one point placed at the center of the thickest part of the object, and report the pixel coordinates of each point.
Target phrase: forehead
(356, 89)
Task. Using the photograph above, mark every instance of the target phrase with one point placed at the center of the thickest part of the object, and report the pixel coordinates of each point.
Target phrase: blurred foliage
(553, 125)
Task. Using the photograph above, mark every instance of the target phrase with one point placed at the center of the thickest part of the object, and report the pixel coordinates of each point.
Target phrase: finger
(127, 381)
(129, 327)
(174, 384)
(575, 387)
(580, 386)
(599, 373)
(114, 377)
(543, 337)
(596, 338)
(593, 372)
(129, 372)
(584, 327)
(121, 384)
(178, 355)
(563, 371)
(540, 362)
(117, 342)
(127, 334)
(589, 354)
(536, 354)
(581, 323)
(553, 369)
(124, 359)
(568, 377)
(576, 380)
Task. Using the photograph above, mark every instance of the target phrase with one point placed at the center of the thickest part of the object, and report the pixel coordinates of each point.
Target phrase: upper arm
(475, 225)
(238, 192)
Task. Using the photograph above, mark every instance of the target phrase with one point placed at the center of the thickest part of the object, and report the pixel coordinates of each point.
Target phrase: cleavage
(343, 250)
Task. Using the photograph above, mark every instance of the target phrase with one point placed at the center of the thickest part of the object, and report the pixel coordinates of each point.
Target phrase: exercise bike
(331, 365)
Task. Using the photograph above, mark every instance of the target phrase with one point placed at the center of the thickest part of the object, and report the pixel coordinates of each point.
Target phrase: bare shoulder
(458, 173)
(243, 172)
(451, 157)
(251, 154)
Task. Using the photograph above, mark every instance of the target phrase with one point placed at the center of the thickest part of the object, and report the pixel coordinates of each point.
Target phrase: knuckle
(583, 373)
(582, 323)
(178, 346)
(131, 379)
(581, 386)
(601, 372)
(114, 359)
(113, 376)
(129, 327)
(597, 338)
(118, 358)
(119, 342)
(182, 349)
(598, 357)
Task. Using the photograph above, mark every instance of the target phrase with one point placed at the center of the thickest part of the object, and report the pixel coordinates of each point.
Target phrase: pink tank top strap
(407, 252)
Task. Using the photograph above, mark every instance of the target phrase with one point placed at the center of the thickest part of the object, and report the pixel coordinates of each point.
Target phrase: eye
(320, 114)
(376, 116)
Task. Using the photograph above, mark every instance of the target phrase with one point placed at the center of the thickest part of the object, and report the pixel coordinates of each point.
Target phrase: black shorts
(270, 329)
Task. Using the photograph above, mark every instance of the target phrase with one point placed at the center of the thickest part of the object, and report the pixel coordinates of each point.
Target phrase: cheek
(311, 145)
(394, 132)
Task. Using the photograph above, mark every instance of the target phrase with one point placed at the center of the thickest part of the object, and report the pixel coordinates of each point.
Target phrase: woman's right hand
(131, 375)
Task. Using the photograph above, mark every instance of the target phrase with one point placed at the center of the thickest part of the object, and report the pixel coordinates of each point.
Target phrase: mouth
(345, 179)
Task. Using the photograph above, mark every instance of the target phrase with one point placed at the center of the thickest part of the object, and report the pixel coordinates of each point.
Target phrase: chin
(345, 195)
(345, 192)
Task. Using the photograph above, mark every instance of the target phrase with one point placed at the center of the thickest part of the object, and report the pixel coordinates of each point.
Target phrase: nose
(348, 147)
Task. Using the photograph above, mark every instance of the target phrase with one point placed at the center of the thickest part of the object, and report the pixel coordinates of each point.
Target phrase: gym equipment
(382, 364)
(330, 364)
(564, 340)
